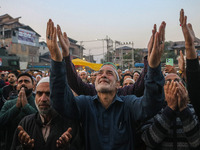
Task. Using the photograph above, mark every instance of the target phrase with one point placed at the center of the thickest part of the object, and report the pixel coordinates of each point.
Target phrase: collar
(117, 98)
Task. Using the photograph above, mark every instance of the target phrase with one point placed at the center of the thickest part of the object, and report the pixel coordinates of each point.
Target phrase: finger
(20, 128)
(23, 137)
(58, 143)
(47, 31)
(51, 29)
(191, 29)
(166, 87)
(181, 16)
(27, 138)
(59, 32)
(69, 130)
(65, 139)
(155, 44)
(66, 38)
(152, 39)
(54, 35)
(183, 87)
(184, 20)
(20, 135)
(181, 54)
(32, 142)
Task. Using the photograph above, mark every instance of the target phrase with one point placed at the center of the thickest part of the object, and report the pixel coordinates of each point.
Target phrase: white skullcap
(38, 76)
(45, 79)
(130, 80)
(83, 71)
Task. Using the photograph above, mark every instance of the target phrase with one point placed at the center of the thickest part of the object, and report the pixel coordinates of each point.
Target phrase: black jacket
(32, 124)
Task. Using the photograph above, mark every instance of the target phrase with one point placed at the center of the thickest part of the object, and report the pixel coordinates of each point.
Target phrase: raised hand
(51, 39)
(171, 94)
(156, 46)
(65, 138)
(188, 35)
(24, 138)
(64, 42)
(22, 96)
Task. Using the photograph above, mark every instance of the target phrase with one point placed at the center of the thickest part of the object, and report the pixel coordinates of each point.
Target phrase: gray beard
(104, 90)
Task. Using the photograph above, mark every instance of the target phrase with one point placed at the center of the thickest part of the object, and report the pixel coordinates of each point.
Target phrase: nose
(44, 97)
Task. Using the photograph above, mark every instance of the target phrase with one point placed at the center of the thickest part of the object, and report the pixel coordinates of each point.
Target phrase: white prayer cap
(44, 79)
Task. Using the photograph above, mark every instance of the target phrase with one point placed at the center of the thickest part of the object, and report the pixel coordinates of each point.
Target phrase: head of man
(12, 78)
(38, 78)
(128, 81)
(106, 80)
(83, 76)
(42, 97)
(171, 77)
(127, 75)
(136, 75)
(93, 76)
(25, 80)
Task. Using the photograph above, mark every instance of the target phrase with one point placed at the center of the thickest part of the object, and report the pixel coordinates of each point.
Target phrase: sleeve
(4, 95)
(193, 83)
(155, 130)
(28, 109)
(61, 96)
(191, 126)
(152, 101)
(8, 112)
(137, 88)
(75, 82)
(16, 145)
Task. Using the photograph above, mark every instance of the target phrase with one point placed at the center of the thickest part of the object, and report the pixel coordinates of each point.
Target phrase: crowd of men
(104, 110)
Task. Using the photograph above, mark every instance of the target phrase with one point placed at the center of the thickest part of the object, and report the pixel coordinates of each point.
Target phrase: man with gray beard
(46, 130)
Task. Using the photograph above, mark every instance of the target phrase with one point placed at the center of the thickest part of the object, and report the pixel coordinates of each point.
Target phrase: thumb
(20, 128)
(69, 130)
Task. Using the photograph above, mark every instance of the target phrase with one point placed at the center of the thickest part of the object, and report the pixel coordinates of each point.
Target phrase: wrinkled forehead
(172, 76)
(108, 67)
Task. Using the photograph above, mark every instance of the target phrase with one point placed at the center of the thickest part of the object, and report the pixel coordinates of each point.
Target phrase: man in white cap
(45, 129)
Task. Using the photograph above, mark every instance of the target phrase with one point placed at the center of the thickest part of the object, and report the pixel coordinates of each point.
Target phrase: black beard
(27, 91)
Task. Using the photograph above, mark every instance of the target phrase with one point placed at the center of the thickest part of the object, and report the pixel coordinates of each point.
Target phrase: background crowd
(152, 109)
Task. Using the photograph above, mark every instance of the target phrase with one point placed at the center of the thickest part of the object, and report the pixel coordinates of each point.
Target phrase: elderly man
(109, 121)
(14, 110)
(193, 66)
(46, 130)
(176, 126)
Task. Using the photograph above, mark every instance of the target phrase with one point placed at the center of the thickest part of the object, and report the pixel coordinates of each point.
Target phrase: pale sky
(122, 20)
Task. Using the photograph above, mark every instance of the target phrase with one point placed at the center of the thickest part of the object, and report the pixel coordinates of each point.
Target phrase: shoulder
(28, 118)
(11, 102)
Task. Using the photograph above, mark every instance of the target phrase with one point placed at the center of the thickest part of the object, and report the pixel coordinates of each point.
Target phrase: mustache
(23, 86)
(103, 79)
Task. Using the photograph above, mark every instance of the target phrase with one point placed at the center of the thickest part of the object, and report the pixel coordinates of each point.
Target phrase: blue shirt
(112, 128)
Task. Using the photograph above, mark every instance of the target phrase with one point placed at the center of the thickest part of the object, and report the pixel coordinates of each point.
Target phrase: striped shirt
(172, 130)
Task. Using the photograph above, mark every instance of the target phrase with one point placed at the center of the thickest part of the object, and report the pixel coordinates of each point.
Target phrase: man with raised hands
(192, 63)
(108, 120)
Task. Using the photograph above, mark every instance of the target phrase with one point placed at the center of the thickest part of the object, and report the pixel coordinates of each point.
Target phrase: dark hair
(128, 74)
(135, 72)
(25, 74)
(14, 72)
